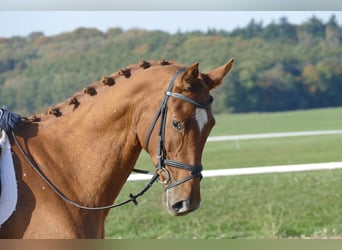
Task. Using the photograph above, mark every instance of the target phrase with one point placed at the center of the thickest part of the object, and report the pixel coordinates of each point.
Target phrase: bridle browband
(195, 171)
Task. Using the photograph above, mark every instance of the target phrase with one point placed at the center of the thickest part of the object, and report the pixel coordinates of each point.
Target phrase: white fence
(257, 170)
(273, 135)
(263, 170)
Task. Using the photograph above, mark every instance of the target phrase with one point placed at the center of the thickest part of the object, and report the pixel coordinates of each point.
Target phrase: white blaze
(201, 118)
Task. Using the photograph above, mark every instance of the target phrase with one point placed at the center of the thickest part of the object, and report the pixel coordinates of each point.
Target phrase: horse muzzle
(179, 205)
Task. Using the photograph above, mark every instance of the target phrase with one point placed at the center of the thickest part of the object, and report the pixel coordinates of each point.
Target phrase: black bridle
(195, 171)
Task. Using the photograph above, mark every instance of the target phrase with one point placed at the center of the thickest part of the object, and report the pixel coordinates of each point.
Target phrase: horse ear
(190, 75)
(219, 73)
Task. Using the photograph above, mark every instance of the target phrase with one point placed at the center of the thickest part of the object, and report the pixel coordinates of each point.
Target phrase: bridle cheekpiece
(195, 171)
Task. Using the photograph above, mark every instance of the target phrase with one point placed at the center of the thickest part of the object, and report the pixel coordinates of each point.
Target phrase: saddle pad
(9, 190)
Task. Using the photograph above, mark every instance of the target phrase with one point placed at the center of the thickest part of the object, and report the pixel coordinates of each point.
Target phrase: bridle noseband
(195, 171)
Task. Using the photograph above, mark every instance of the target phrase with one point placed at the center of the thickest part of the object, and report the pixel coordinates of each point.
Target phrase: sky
(22, 23)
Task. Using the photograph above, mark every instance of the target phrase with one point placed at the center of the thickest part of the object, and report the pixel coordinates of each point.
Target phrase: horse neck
(90, 152)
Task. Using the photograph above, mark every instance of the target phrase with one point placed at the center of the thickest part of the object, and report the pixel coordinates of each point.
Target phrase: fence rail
(258, 170)
(263, 170)
(273, 135)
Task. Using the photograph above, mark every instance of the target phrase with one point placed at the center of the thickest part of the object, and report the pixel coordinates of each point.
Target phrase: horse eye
(177, 125)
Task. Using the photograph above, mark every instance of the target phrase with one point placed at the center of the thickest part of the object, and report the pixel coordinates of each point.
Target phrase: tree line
(278, 67)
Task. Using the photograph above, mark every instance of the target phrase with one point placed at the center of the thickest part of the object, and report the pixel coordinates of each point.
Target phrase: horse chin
(178, 206)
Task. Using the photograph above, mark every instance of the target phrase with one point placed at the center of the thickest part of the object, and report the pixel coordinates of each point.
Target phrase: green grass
(260, 206)
(267, 152)
(318, 119)
(263, 206)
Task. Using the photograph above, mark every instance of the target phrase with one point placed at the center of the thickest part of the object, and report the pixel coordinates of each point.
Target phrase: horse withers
(73, 160)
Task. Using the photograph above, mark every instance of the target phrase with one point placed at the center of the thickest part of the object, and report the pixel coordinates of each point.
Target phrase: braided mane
(92, 89)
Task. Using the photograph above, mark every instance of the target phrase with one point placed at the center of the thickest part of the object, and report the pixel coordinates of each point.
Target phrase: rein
(195, 171)
(132, 197)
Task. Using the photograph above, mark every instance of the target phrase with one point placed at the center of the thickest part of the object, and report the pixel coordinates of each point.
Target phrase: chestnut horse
(85, 148)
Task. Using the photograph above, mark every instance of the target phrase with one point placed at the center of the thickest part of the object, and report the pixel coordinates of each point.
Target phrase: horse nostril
(181, 206)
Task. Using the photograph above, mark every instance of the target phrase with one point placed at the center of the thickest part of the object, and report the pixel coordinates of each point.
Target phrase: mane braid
(91, 90)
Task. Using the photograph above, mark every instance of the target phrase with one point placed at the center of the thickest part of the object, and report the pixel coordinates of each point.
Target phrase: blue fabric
(8, 120)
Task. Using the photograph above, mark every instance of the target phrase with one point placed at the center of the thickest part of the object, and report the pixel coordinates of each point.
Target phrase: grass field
(261, 206)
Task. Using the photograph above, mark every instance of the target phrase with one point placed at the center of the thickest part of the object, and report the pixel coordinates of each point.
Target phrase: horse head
(177, 134)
